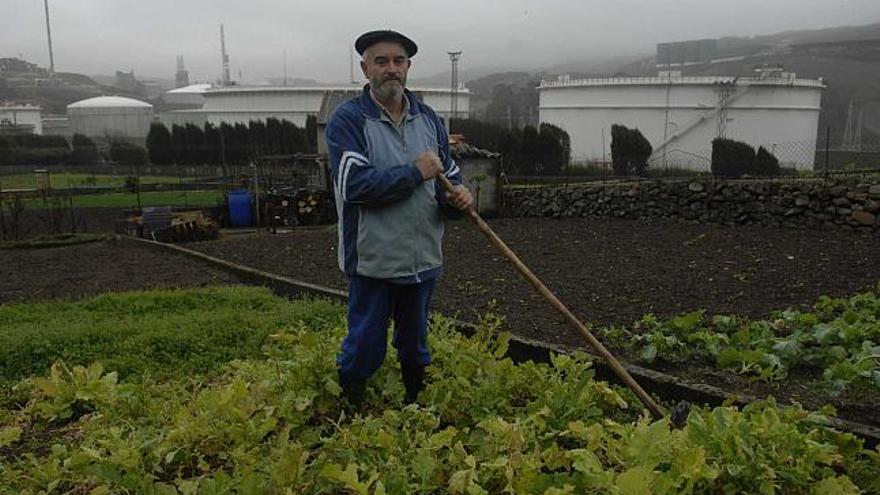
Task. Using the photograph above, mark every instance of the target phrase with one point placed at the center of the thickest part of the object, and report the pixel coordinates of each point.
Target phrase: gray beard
(387, 92)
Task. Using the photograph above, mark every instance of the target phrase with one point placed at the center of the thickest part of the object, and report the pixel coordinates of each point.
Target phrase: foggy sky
(102, 36)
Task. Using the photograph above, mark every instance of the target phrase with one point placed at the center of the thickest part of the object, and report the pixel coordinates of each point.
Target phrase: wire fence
(796, 158)
(792, 156)
(63, 199)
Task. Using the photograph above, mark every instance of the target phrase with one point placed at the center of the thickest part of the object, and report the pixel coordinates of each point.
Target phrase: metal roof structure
(110, 101)
(192, 88)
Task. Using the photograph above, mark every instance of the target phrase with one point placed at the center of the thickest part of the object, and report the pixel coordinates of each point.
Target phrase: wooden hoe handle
(609, 358)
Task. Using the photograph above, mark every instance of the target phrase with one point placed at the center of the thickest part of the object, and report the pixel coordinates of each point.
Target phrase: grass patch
(55, 241)
(160, 333)
(69, 180)
(129, 200)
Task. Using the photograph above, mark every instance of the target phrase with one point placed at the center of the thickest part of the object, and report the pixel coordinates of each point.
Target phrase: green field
(234, 390)
(129, 200)
(68, 180)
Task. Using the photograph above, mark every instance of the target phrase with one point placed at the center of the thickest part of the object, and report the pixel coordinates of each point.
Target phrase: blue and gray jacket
(390, 221)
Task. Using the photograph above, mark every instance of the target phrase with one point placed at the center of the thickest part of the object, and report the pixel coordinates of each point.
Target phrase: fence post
(137, 185)
(827, 148)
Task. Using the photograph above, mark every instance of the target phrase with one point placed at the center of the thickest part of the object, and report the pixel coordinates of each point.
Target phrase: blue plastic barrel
(240, 213)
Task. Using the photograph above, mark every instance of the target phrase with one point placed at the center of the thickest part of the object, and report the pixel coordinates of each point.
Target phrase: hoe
(679, 415)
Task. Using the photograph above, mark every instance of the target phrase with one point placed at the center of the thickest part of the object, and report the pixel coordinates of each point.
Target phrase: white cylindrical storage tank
(441, 100)
(108, 117)
(242, 104)
(681, 116)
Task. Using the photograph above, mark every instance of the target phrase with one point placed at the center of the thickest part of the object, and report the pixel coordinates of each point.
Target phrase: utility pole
(256, 192)
(351, 64)
(453, 57)
(222, 149)
(49, 35)
(666, 117)
(604, 157)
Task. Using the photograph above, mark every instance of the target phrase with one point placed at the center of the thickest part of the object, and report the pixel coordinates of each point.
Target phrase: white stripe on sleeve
(348, 159)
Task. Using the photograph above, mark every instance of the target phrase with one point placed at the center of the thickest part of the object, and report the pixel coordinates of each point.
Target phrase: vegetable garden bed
(610, 272)
(271, 421)
(613, 272)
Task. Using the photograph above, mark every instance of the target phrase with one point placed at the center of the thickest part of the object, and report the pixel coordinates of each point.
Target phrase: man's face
(385, 65)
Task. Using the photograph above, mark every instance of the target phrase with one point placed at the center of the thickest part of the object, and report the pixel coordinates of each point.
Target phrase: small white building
(241, 104)
(106, 117)
(25, 117)
(680, 116)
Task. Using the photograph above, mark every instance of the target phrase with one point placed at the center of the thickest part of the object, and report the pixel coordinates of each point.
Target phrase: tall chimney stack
(225, 78)
(49, 35)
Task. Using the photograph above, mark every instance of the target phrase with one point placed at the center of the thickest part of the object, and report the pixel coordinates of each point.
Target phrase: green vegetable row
(839, 338)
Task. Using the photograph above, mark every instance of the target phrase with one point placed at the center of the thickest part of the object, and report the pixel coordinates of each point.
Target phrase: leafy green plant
(840, 338)
(273, 423)
(68, 393)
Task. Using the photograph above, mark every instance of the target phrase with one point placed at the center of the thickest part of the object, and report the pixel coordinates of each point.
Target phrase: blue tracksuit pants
(371, 304)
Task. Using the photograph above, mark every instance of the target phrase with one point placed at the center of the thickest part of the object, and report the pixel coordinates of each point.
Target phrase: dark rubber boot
(679, 415)
(353, 390)
(413, 382)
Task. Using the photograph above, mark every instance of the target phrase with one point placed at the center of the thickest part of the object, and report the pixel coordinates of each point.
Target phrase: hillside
(24, 82)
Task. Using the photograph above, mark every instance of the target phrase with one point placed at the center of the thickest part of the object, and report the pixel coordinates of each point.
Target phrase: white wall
(779, 117)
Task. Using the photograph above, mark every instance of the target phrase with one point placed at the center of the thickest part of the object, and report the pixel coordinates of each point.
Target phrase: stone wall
(791, 203)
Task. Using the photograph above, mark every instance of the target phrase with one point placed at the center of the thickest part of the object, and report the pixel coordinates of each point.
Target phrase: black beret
(369, 39)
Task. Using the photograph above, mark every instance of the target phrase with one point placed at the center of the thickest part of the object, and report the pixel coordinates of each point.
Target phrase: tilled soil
(75, 272)
(609, 272)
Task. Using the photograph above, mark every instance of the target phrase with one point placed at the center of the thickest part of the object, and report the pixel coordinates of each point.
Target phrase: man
(386, 149)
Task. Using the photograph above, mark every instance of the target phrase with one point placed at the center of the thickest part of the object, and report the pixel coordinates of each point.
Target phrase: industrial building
(20, 118)
(680, 116)
(106, 117)
(187, 97)
(242, 104)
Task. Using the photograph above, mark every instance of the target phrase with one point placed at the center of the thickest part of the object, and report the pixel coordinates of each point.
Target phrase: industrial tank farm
(681, 115)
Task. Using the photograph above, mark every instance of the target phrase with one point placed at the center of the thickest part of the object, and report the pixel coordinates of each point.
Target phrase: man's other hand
(460, 197)
(429, 165)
